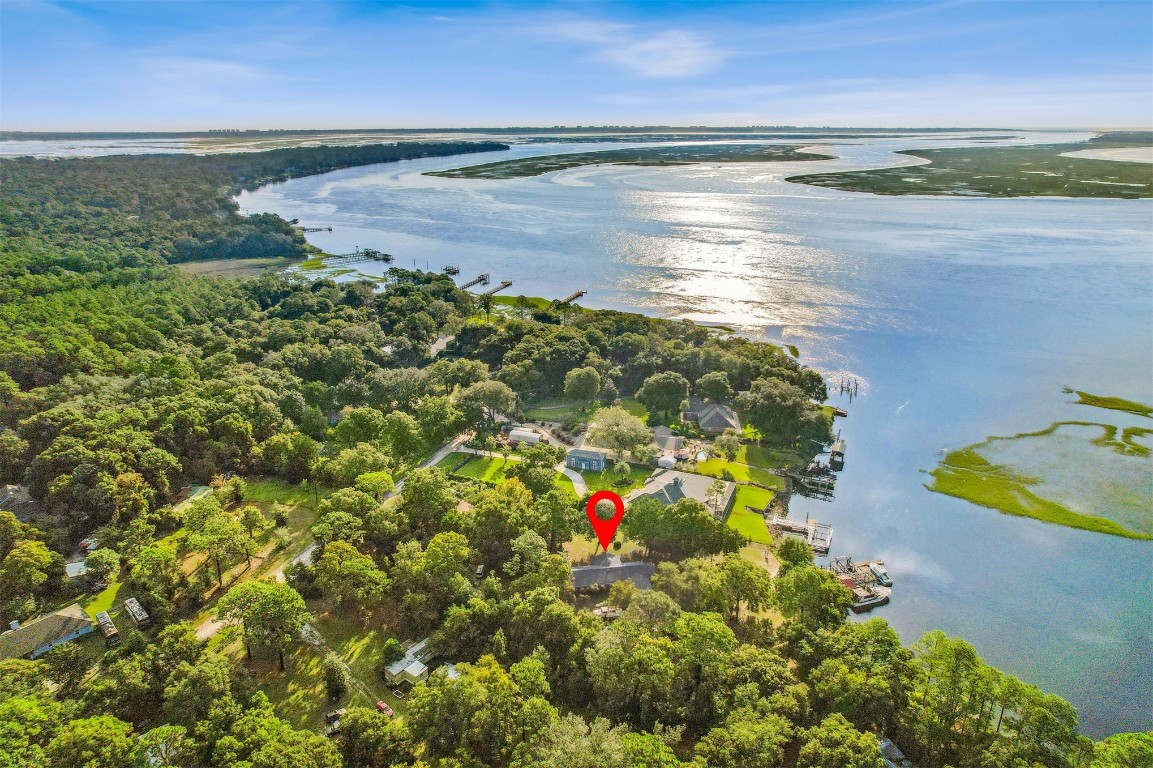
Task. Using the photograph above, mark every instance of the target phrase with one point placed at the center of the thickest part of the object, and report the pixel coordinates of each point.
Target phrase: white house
(411, 668)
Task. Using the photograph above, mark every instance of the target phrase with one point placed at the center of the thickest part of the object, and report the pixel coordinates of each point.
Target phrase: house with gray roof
(668, 486)
(608, 569)
(38, 637)
(586, 460)
(666, 442)
(711, 418)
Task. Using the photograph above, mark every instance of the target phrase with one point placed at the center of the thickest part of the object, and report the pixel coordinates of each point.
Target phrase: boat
(451, 270)
(880, 574)
(866, 598)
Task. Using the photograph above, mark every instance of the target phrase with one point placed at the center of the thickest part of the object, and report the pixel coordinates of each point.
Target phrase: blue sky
(261, 64)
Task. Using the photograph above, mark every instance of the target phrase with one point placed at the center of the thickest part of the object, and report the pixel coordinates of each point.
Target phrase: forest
(307, 413)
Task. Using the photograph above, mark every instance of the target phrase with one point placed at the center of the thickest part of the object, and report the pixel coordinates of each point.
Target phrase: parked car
(383, 707)
(335, 715)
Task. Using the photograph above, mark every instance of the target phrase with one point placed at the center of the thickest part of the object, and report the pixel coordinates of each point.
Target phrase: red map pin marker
(605, 529)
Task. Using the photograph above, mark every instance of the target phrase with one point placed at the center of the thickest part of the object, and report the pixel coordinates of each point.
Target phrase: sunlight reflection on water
(960, 318)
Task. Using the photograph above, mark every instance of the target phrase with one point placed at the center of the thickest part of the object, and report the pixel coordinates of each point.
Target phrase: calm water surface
(960, 317)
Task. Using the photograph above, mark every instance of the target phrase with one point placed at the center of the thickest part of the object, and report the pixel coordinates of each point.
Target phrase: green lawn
(751, 496)
(536, 302)
(600, 481)
(483, 468)
(106, 598)
(742, 473)
(272, 490)
(635, 407)
(490, 470)
(751, 524)
(558, 409)
(563, 483)
(584, 545)
(564, 410)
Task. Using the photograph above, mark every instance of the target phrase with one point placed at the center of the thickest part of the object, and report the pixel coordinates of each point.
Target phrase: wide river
(959, 317)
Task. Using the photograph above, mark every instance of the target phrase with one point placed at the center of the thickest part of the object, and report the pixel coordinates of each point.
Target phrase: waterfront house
(669, 486)
(711, 418)
(38, 637)
(586, 460)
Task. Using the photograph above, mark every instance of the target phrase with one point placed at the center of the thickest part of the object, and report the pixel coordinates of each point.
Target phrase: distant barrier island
(679, 155)
(1033, 171)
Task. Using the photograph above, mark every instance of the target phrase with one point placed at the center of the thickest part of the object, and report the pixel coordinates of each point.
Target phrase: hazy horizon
(223, 132)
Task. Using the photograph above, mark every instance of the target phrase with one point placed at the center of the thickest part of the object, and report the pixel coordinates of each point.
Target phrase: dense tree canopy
(123, 380)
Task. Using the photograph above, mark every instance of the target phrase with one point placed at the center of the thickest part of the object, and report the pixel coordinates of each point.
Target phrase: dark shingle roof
(42, 631)
(716, 417)
(603, 575)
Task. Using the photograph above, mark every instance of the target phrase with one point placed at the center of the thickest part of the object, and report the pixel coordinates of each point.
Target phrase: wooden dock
(573, 298)
(478, 280)
(367, 254)
(819, 536)
(503, 284)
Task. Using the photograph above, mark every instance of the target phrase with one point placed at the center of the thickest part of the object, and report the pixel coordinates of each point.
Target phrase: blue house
(38, 637)
(584, 460)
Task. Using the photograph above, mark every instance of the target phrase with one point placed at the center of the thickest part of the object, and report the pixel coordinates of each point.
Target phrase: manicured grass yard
(584, 545)
(490, 470)
(600, 481)
(483, 468)
(105, 599)
(751, 524)
(563, 410)
(752, 496)
(742, 473)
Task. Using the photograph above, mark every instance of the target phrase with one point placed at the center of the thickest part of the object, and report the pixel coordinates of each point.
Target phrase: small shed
(522, 435)
(584, 460)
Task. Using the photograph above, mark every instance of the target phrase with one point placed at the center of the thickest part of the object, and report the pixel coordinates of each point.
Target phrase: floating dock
(819, 536)
(316, 229)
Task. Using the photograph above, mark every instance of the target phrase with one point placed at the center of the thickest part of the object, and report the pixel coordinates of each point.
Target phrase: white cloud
(665, 53)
